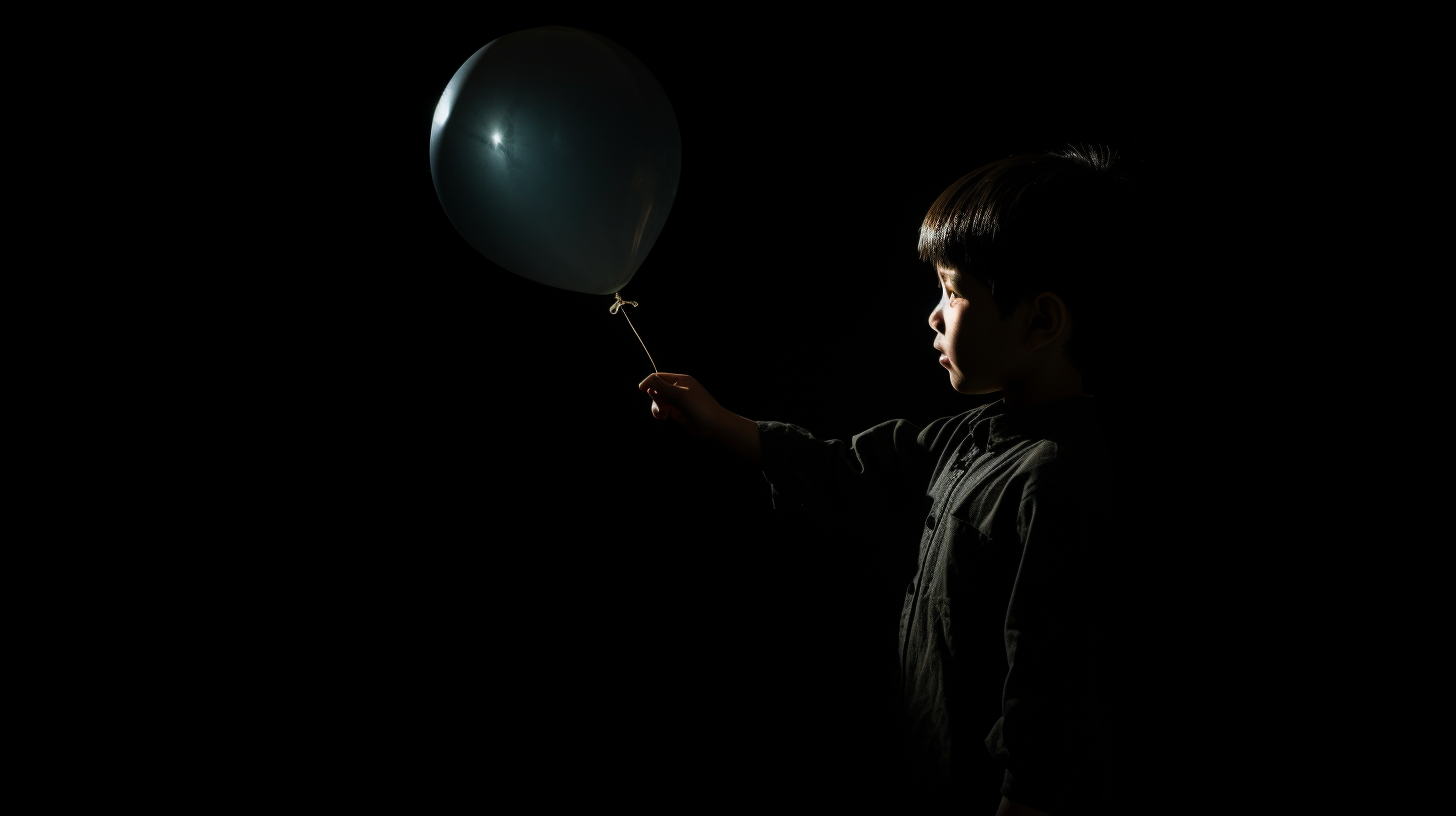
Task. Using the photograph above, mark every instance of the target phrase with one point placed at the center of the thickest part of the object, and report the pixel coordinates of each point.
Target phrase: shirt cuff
(775, 440)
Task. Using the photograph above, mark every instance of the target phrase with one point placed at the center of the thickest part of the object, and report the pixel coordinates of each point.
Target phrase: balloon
(556, 154)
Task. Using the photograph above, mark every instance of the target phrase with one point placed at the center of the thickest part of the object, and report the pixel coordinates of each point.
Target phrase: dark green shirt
(1003, 627)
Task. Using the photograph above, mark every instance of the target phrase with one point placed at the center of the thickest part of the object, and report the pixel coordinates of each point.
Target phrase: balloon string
(618, 306)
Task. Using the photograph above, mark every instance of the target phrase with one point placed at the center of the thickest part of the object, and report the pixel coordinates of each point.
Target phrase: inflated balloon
(556, 154)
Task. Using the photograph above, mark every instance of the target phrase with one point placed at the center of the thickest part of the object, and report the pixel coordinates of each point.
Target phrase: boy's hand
(682, 399)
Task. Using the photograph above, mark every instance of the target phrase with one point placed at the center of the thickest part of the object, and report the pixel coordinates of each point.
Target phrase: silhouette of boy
(1001, 633)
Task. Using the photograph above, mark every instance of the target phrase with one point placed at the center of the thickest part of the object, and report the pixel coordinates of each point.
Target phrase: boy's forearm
(740, 435)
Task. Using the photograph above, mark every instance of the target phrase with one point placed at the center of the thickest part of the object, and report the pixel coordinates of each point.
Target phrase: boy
(1001, 630)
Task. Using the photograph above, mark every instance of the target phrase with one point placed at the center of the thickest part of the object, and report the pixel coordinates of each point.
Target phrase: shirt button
(930, 522)
(910, 590)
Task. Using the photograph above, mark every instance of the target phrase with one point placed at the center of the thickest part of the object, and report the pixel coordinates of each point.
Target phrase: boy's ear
(1048, 321)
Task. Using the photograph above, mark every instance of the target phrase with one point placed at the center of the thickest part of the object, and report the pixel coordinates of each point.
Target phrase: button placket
(958, 470)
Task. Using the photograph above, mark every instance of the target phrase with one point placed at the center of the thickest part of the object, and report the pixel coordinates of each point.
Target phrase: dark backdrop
(445, 556)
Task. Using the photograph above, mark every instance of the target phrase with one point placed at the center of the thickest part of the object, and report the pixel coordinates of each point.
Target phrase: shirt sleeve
(1053, 734)
(886, 464)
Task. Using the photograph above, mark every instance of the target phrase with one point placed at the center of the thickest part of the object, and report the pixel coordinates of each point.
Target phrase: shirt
(1003, 624)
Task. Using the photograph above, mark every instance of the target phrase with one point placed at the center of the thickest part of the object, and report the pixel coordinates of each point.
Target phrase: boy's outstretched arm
(887, 466)
(683, 399)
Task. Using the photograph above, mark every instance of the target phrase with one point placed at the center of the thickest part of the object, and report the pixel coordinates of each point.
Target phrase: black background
(532, 587)
(597, 599)
(427, 548)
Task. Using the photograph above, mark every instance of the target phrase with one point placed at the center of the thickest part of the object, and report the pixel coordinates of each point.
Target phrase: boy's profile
(1002, 674)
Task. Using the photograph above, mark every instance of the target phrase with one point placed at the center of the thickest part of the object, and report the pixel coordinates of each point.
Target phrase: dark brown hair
(1060, 222)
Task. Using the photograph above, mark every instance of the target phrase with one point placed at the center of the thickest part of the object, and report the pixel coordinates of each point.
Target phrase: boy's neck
(1032, 391)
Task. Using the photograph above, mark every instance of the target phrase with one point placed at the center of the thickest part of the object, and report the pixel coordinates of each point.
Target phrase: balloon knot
(620, 303)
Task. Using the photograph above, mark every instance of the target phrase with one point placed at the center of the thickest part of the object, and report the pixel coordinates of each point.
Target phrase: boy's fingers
(660, 381)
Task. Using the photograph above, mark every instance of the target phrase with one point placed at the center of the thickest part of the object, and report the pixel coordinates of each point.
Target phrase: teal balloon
(556, 154)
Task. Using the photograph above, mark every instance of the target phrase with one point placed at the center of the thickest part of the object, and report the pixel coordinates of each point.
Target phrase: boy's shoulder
(1070, 461)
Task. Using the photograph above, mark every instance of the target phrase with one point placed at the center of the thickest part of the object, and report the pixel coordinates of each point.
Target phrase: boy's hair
(1048, 222)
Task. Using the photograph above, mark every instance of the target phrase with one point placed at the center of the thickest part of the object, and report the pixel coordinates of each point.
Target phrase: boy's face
(977, 346)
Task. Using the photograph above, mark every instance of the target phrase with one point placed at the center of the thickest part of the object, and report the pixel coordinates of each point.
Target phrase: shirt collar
(1072, 416)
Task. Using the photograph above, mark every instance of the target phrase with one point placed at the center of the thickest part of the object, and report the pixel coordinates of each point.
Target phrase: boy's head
(1025, 250)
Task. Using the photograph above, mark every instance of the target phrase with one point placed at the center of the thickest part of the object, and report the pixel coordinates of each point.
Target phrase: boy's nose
(936, 321)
